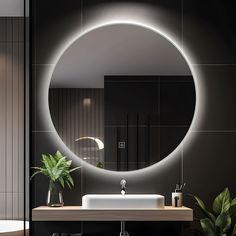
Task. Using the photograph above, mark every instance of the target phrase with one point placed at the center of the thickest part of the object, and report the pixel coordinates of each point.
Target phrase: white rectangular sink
(119, 201)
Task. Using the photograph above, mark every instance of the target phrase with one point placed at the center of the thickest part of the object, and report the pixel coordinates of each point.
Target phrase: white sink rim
(119, 201)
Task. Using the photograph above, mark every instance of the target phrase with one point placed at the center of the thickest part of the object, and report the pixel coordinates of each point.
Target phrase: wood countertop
(77, 213)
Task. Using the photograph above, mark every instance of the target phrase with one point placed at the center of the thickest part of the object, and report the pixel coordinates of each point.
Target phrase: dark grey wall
(206, 30)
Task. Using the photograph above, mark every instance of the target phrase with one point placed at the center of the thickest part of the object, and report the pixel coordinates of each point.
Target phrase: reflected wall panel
(78, 113)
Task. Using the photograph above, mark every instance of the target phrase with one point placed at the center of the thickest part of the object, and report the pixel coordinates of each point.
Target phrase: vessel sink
(119, 201)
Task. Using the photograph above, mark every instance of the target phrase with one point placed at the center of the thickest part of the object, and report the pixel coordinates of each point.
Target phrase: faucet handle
(123, 182)
(123, 187)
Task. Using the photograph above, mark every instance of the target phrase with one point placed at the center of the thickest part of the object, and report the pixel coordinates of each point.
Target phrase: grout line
(182, 163)
(81, 194)
(159, 117)
(35, 38)
(145, 126)
(43, 131)
(81, 179)
(12, 114)
(11, 41)
(11, 192)
(193, 64)
(212, 131)
(211, 64)
(18, 72)
(35, 103)
(6, 58)
(191, 131)
(42, 64)
(182, 24)
(81, 14)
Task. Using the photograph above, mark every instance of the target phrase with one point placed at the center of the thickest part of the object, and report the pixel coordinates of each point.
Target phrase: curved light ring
(168, 158)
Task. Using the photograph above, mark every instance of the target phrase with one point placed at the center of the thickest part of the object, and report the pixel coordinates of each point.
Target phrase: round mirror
(122, 97)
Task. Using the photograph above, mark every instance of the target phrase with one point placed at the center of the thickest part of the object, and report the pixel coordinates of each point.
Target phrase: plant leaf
(35, 173)
(60, 161)
(68, 163)
(234, 231)
(68, 183)
(48, 165)
(53, 160)
(62, 182)
(223, 222)
(46, 160)
(59, 154)
(222, 202)
(76, 168)
(207, 227)
(57, 172)
(232, 211)
(233, 202)
(70, 179)
(57, 168)
(36, 168)
(201, 204)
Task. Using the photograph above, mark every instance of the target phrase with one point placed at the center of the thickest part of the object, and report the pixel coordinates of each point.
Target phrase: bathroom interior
(117, 118)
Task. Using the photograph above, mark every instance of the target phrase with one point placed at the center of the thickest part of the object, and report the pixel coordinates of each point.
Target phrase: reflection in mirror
(122, 97)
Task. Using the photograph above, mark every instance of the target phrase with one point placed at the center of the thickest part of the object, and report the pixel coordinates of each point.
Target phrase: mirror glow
(97, 68)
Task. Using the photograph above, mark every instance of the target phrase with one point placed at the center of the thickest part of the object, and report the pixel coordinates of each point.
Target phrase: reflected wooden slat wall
(11, 118)
(74, 119)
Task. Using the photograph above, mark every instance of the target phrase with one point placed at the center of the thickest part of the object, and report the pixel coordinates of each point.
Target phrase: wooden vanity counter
(76, 213)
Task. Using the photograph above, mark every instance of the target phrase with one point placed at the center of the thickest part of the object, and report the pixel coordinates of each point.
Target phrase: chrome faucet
(123, 186)
(123, 231)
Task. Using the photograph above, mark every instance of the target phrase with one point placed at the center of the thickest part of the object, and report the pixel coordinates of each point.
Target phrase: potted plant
(58, 169)
(222, 220)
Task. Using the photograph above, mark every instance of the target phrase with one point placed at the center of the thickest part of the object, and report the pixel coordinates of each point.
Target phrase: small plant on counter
(222, 220)
(58, 169)
(100, 165)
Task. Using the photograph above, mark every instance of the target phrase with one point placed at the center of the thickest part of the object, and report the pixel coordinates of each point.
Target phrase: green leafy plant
(57, 168)
(100, 165)
(222, 220)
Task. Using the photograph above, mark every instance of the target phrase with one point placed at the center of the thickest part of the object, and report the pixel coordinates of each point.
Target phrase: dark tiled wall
(206, 31)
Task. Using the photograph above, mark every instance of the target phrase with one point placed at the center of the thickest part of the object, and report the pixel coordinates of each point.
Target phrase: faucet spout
(123, 186)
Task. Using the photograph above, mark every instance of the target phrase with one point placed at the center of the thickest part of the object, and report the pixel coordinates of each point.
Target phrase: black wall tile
(208, 165)
(48, 24)
(170, 139)
(48, 228)
(177, 101)
(163, 14)
(39, 95)
(133, 228)
(209, 31)
(218, 98)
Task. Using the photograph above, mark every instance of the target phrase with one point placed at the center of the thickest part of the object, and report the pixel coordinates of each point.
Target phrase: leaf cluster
(222, 220)
(57, 168)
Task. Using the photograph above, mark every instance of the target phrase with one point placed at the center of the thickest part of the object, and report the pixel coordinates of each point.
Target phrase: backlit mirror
(122, 97)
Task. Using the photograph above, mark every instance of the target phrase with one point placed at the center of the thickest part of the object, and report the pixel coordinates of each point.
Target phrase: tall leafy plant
(221, 221)
(57, 168)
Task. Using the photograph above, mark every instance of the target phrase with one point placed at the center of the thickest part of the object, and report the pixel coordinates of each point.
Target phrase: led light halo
(165, 161)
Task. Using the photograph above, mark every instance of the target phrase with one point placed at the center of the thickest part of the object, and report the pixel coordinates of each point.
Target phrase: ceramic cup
(177, 199)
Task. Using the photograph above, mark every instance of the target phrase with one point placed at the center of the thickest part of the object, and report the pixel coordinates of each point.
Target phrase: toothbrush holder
(177, 199)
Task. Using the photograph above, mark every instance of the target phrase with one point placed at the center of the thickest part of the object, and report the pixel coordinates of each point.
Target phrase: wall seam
(12, 121)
